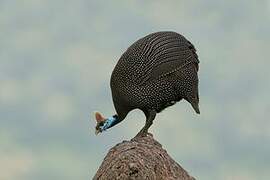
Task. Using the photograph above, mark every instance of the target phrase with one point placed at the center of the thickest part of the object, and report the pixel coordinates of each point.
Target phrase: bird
(154, 73)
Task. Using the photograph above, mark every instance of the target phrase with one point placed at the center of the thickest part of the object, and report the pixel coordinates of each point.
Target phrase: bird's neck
(118, 117)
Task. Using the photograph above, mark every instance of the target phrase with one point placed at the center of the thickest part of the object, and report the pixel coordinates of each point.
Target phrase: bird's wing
(170, 56)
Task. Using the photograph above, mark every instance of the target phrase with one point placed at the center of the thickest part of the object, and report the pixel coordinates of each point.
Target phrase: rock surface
(140, 158)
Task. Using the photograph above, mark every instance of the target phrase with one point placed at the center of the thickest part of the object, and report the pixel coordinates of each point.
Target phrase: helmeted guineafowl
(154, 73)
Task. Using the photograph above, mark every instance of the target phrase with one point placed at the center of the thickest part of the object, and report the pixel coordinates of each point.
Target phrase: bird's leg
(150, 116)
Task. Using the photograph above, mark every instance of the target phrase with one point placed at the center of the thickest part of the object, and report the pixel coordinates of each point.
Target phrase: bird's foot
(149, 121)
(142, 133)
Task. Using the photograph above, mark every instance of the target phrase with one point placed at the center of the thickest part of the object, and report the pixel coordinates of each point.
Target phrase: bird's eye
(101, 123)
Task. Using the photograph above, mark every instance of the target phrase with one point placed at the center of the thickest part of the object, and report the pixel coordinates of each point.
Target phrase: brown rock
(138, 159)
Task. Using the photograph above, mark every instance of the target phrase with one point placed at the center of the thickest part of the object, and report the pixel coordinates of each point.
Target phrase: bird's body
(155, 72)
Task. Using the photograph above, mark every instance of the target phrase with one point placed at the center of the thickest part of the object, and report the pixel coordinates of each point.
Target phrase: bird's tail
(193, 99)
(195, 107)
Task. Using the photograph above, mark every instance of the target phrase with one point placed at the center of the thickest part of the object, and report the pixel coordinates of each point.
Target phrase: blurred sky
(56, 58)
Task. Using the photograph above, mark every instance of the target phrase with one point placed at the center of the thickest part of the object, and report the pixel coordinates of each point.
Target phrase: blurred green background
(56, 58)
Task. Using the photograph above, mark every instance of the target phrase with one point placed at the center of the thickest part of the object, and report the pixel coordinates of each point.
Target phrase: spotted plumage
(154, 73)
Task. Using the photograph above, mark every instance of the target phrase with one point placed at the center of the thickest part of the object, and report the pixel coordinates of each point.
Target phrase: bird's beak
(97, 131)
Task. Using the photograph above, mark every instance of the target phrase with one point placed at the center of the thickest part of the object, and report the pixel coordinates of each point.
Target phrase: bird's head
(104, 123)
(100, 122)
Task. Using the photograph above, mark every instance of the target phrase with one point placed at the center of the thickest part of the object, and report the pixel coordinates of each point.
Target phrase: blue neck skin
(110, 122)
